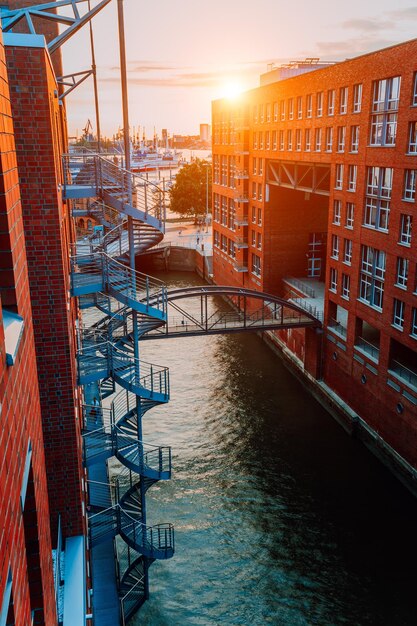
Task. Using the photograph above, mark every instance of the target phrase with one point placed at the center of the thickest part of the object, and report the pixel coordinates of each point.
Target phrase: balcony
(367, 348)
(406, 375)
(241, 243)
(241, 174)
(241, 266)
(240, 196)
(241, 149)
(241, 220)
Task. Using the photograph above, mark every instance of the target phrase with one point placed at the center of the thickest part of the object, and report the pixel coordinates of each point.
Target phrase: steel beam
(10, 18)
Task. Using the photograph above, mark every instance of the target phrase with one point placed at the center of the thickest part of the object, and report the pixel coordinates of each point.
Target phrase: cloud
(152, 74)
(369, 26)
(349, 48)
(409, 13)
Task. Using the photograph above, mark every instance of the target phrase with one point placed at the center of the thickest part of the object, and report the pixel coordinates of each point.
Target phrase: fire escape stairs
(109, 291)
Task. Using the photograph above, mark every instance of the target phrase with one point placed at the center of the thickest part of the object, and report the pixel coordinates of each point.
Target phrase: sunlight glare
(232, 90)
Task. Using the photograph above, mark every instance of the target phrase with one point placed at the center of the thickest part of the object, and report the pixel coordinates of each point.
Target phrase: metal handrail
(404, 372)
(308, 291)
(367, 347)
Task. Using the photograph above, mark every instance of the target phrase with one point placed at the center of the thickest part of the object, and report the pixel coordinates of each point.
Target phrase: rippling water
(280, 517)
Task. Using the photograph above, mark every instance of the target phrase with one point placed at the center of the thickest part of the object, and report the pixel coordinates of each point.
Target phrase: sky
(182, 54)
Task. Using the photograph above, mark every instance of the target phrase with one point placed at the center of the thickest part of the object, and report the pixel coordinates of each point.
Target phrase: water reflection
(280, 517)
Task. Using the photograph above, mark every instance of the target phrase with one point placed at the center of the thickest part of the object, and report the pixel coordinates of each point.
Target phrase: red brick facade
(329, 151)
(25, 540)
(39, 144)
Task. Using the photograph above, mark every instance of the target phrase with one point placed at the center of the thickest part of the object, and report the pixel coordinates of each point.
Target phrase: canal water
(281, 518)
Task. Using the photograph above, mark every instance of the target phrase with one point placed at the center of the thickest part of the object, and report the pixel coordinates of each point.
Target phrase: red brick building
(314, 182)
(40, 441)
(26, 576)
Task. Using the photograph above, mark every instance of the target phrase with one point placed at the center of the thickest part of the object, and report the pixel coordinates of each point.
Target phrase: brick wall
(388, 404)
(39, 145)
(20, 412)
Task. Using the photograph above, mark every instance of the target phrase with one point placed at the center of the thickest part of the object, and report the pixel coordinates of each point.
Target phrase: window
(317, 139)
(261, 167)
(333, 279)
(216, 169)
(330, 101)
(232, 249)
(409, 191)
(254, 166)
(289, 139)
(216, 238)
(223, 243)
(307, 140)
(372, 276)
(341, 137)
(414, 322)
(224, 211)
(337, 210)
(253, 215)
(298, 139)
(378, 195)
(274, 140)
(402, 272)
(261, 113)
(224, 170)
(216, 207)
(7, 615)
(261, 141)
(232, 213)
(253, 238)
(405, 229)
(357, 98)
(300, 107)
(255, 141)
(253, 190)
(259, 217)
(412, 142)
(335, 247)
(414, 95)
(282, 110)
(267, 140)
(354, 138)
(281, 140)
(347, 251)
(259, 240)
(350, 209)
(259, 191)
(386, 97)
(319, 104)
(339, 176)
(398, 314)
(256, 265)
(275, 111)
(352, 177)
(329, 138)
(309, 105)
(291, 108)
(268, 112)
(345, 286)
(343, 100)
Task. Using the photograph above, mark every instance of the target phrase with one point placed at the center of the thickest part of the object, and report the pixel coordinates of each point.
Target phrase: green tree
(188, 194)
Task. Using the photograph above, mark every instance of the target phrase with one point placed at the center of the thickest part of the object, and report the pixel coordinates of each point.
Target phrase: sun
(232, 90)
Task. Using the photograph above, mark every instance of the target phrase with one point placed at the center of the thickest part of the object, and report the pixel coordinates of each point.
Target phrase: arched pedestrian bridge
(217, 309)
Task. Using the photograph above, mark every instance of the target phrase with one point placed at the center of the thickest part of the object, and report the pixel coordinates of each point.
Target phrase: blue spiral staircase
(119, 305)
